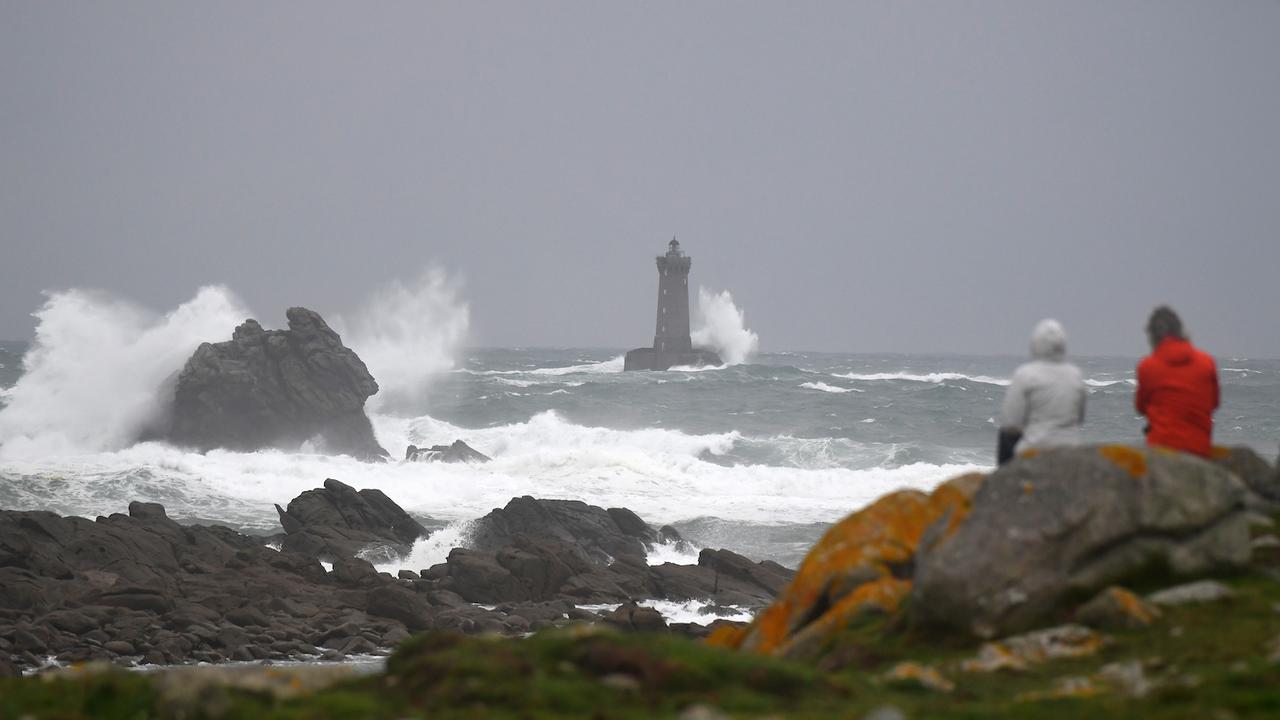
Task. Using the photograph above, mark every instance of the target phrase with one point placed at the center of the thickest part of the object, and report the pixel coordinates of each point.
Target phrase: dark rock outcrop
(141, 587)
(458, 452)
(275, 388)
(1071, 521)
(541, 550)
(649, 359)
(601, 534)
(338, 521)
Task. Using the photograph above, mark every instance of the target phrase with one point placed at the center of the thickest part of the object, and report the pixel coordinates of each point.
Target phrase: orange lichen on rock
(1130, 459)
(1133, 606)
(727, 636)
(883, 595)
(852, 568)
(914, 674)
(1220, 453)
(1116, 608)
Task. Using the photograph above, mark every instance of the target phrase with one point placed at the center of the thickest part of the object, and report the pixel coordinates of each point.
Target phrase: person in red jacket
(1177, 387)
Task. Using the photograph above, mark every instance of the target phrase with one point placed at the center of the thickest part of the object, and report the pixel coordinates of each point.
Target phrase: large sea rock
(275, 388)
(1067, 522)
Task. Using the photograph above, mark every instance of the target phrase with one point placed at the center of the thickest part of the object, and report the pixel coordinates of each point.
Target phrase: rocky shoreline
(1108, 582)
(140, 588)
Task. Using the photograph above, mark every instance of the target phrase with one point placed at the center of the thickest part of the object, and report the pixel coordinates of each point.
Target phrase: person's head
(1163, 323)
(1048, 341)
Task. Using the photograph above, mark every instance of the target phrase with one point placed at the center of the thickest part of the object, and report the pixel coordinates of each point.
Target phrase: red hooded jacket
(1178, 392)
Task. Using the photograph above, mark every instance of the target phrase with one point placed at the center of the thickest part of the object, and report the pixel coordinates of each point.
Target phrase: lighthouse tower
(672, 328)
(672, 345)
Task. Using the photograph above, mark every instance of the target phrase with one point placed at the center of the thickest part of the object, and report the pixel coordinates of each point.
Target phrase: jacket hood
(1173, 351)
(1048, 341)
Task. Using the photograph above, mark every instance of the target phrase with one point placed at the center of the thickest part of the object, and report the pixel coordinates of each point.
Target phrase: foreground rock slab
(1073, 521)
(862, 564)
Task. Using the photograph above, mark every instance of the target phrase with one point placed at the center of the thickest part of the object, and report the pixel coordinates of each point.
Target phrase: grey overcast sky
(863, 176)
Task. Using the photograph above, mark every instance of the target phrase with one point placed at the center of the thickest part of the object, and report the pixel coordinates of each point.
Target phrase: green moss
(1205, 660)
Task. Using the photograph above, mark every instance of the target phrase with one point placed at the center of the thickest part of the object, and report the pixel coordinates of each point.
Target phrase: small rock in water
(631, 616)
(1196, 592)
(458, 452)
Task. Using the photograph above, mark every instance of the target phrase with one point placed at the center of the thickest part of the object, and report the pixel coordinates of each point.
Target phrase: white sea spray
(408, 333)
(100, 366)
(720, 325)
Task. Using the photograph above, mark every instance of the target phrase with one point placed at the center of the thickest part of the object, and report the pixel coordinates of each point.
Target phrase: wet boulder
(602, 535)
(336, 520)
(1068, 522)
(275, 388)
(1260, 479)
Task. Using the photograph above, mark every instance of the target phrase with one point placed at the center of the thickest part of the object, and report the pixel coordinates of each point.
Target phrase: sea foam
(663, 475)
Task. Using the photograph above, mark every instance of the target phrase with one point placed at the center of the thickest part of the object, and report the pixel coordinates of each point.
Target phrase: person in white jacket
(1044, 406)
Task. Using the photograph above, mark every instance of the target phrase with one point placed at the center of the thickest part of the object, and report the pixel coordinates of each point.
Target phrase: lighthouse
(672, 346)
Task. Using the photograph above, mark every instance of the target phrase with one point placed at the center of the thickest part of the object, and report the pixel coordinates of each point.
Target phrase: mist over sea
(757, 457)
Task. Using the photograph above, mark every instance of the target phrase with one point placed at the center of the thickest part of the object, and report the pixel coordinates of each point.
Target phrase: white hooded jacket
(1046, 397)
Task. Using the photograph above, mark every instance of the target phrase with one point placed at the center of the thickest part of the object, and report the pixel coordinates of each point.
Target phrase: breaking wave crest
(97, 371)
(827, 388)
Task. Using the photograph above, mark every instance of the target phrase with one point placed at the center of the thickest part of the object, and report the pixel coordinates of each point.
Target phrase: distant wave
(941, 377)
(935, 378)
(1108, 383)
(598, 368)
(828, 388)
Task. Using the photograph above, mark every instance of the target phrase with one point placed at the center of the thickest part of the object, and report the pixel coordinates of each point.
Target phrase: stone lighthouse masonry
(671, 344)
